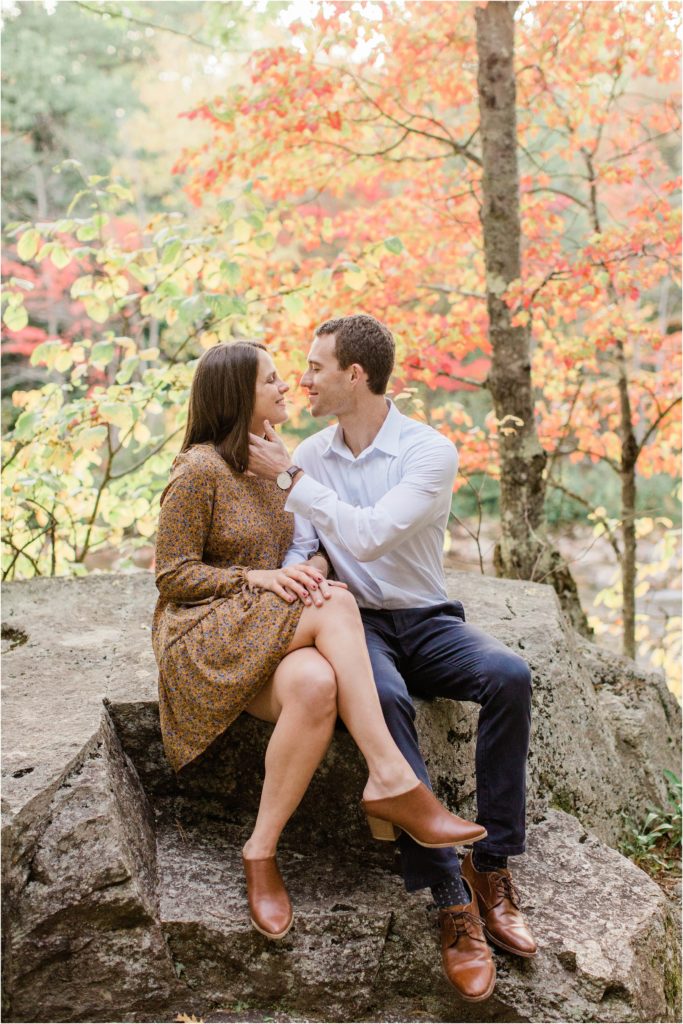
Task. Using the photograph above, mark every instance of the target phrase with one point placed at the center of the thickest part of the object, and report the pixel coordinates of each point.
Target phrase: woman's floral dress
(216, 641)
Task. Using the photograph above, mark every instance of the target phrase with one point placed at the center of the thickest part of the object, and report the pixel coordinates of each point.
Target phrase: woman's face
(269, 398)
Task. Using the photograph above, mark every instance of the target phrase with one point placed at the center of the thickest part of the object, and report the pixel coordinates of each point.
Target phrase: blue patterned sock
(450, 892)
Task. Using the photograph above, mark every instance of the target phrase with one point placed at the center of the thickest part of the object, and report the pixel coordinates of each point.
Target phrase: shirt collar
(386, 440)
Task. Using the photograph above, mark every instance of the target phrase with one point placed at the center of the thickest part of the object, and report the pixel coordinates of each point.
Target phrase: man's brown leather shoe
(467, 960)
(499, 904)
(271, 911)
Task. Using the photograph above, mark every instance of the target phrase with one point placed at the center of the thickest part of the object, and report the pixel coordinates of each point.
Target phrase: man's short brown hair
(362, 339)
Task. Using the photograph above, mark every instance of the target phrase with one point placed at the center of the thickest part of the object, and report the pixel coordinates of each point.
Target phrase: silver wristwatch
(285, 479)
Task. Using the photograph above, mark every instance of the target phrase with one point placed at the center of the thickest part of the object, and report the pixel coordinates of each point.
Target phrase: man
(375, 491)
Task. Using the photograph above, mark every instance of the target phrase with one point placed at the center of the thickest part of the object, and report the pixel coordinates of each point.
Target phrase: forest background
(177, 174)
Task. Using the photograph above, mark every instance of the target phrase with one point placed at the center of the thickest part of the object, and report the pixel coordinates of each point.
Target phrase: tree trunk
(629, 457)
(524, 551)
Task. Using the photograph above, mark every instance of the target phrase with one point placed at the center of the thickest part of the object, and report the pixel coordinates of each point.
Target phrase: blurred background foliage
(148, 214)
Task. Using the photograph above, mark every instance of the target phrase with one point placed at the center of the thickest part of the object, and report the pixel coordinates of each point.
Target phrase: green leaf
(220, 305)
(28, 245)
(393, 244)
(190, 309)
(81, 286)
(225, 208)
(265, 241)
(86, 232)
(142, 274)
(168, 290)
(102, 354)
(96, 309)
(45, 353)
(128, 368)
(15, 317)
(230, 271)
(171, 251)
(60, 256)
(293, 304)
(26, 425)
(121, 192)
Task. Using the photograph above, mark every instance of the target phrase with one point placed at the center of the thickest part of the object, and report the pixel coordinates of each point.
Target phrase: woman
(233, 632)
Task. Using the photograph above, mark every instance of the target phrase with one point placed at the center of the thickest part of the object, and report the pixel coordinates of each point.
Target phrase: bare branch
(653, 426)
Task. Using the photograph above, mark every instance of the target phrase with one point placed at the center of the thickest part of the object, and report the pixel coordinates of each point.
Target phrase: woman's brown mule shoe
(269, 906)
(420, 814)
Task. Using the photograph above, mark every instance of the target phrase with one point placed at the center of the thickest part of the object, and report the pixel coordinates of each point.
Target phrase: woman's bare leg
(301, 699)
(336, 630)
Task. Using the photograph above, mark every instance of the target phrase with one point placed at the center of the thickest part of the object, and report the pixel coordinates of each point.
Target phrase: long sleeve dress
(216, 641)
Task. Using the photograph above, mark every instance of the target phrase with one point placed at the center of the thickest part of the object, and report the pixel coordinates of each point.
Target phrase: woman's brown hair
(222, 400)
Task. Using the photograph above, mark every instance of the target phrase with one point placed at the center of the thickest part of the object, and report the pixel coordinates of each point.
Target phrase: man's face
(329, 388)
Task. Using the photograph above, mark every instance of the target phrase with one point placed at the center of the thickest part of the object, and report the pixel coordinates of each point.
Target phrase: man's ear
(357, 373)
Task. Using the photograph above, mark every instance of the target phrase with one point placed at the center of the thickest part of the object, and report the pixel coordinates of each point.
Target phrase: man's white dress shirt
(381, 517)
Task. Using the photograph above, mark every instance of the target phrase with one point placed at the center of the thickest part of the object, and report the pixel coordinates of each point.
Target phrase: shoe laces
(506, 889)
(462, 922)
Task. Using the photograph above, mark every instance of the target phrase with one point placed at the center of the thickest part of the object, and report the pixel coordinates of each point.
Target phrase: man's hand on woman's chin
(268, 455)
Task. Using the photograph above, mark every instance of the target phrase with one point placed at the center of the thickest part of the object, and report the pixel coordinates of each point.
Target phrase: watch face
(283, 480)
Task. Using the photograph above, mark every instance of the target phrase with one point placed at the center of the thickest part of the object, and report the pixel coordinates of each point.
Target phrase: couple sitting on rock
(247, 620)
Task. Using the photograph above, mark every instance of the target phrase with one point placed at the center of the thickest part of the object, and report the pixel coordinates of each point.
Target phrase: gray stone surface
(123, 890)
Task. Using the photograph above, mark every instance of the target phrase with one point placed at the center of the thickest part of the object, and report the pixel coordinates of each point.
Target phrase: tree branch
(103, 10)
(653, 426)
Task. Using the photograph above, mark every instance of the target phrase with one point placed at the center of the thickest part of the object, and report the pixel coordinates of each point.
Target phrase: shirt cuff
(305, 493)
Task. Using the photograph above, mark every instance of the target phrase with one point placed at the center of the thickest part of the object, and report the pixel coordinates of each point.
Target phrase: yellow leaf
(644, 526)
(146, 526)
(208, 339)
(242, 231)
(120, 286)
(141, 432)
(118, 414)
(356, 279)
(63, 361)
(91, 438)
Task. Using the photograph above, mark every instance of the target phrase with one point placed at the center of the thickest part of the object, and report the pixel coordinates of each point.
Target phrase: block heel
(420, 815)
(383, 830)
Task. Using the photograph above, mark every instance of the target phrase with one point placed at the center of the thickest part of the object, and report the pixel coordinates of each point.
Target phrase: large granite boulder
(123, 891)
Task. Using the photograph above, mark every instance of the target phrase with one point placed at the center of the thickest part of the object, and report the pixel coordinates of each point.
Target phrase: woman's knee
(312, 685)
(343, 602)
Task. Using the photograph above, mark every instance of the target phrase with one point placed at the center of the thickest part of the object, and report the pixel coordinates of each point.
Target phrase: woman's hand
(295, 582)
